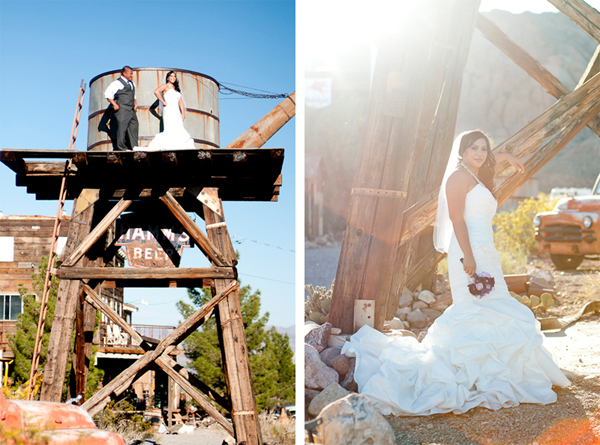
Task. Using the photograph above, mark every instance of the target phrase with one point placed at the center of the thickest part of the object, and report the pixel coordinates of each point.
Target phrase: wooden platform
(239, 174)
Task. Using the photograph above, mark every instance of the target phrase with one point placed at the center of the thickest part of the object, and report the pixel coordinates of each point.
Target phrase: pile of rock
(417, 310)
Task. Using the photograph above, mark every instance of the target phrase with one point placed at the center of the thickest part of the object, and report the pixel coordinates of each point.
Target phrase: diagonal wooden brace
(97, 402)
(582, 14)
(164, 364)
(98, 231)
(209, 249)
(97, 302)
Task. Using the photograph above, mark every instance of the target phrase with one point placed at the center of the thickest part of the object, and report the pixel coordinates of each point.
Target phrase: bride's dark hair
(487, 170)
(176, 83)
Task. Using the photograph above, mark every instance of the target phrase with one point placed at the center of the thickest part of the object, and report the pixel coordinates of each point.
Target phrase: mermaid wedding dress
(174, 136)
(484, 352)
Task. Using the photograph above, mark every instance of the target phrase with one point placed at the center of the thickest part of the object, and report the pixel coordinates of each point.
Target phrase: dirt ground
(572, 420)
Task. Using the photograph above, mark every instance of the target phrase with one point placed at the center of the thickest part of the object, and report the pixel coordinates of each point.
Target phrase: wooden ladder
(37, 350)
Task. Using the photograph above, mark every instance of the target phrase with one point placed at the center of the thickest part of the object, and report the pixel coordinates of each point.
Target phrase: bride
(172, 109)
(484, 350)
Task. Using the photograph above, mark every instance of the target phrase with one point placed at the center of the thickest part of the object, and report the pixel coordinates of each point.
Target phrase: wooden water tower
(148, 195)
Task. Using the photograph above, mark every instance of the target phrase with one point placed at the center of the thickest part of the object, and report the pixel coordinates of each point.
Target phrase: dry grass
(277, 431)
(591, 287)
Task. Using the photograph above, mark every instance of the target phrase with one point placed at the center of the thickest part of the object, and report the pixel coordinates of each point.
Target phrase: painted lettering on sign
(153, 246)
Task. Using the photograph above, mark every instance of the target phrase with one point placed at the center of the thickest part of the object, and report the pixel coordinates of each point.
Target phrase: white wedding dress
(174, 136)
(484, 352)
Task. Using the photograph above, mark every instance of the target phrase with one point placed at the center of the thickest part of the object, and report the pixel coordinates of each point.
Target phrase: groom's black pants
(127, 125)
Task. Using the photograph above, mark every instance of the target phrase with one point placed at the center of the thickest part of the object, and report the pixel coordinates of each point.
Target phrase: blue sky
(47, 47)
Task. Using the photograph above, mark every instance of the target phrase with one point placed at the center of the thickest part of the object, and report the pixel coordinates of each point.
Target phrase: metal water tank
(201, 93)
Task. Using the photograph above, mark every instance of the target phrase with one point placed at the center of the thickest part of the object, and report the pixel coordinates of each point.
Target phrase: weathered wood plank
(97, 402)
(196, 395)
(204, 243)
(582, 14)
(97, 232)
(147, 273)
(234, 349)
(97, 302)
(535, 69)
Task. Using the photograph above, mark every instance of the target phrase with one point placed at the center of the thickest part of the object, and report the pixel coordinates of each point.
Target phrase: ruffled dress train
(484, 352)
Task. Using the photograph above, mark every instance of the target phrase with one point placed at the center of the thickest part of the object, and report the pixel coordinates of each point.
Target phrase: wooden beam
(94, 299)
(204, 243)
(592, 69)
(198, 384)
(230, 328)
(584, 16)
(146, 273)
(98, 231)
(64, 314)
(196, 395)
(99, 400)
(535, 69)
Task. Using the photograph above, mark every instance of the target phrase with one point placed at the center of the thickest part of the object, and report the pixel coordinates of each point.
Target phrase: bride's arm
(158, 93)
(456, 191)
(511, 159)
(182, 109)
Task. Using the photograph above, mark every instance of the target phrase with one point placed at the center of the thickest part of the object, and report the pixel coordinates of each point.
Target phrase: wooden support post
(99, 400)
(393, 135)
(65, 310)
(582, 14)
(234, 348)
(169, 401)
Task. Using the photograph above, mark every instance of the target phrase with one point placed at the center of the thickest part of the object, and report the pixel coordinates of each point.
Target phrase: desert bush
(17, 436)
(515, 229)
(277, 431)
(120, 418)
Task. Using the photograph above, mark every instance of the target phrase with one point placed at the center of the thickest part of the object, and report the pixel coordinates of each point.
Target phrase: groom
(121, 95)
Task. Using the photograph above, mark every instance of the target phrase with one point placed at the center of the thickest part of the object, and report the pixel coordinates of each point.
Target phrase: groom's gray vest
(125, 97)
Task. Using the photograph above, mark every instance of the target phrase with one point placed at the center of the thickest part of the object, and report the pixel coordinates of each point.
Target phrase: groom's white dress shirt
(115, 86)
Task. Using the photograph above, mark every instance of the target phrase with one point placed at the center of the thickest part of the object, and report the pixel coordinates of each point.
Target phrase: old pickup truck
(570, 231)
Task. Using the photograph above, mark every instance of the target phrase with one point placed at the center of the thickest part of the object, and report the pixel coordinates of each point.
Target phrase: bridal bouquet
(482, 284)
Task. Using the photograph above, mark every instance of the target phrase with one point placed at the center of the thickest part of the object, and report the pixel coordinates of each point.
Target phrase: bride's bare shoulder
(459, 177)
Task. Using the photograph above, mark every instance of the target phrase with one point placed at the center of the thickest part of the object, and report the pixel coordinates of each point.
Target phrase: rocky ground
(573, 419)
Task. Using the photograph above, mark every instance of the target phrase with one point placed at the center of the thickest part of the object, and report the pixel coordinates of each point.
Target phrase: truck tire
(566, 262)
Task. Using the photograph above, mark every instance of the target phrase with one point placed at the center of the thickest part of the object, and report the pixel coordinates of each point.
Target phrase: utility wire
(268, 95)
(260, 242)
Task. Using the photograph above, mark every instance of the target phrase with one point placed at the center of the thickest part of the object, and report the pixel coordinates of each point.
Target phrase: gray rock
(328, 395)
(417, 319)
(336, 331)
(419, 305)
(319, 335)
(403, 312)
(329, 354)
(348, 380)
(427, 296)
(431, 313)
(317, 375)
(396, 323)
(352, 420)
(341, 364)
(337, 341)
(442, 302)
(406, 298)
(309, 395)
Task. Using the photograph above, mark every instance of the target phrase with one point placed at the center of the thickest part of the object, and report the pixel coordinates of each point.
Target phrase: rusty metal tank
(201, 93)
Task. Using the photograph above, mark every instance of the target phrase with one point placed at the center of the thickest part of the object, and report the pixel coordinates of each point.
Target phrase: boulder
(442, 302)
(328, 395)
(402, 312)
(431, 313)
(406, 298)
(309, 395)
(337, 341)
(419, 305)
(427, 296)
(395, 323)
(329, 354)
(319, 335)
(341, 364)
(417, 319)
(352, 420)
(317, 375)
(348, 380)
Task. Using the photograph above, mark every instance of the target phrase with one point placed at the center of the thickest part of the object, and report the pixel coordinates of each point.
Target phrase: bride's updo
(487, 170)
(176, 83)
